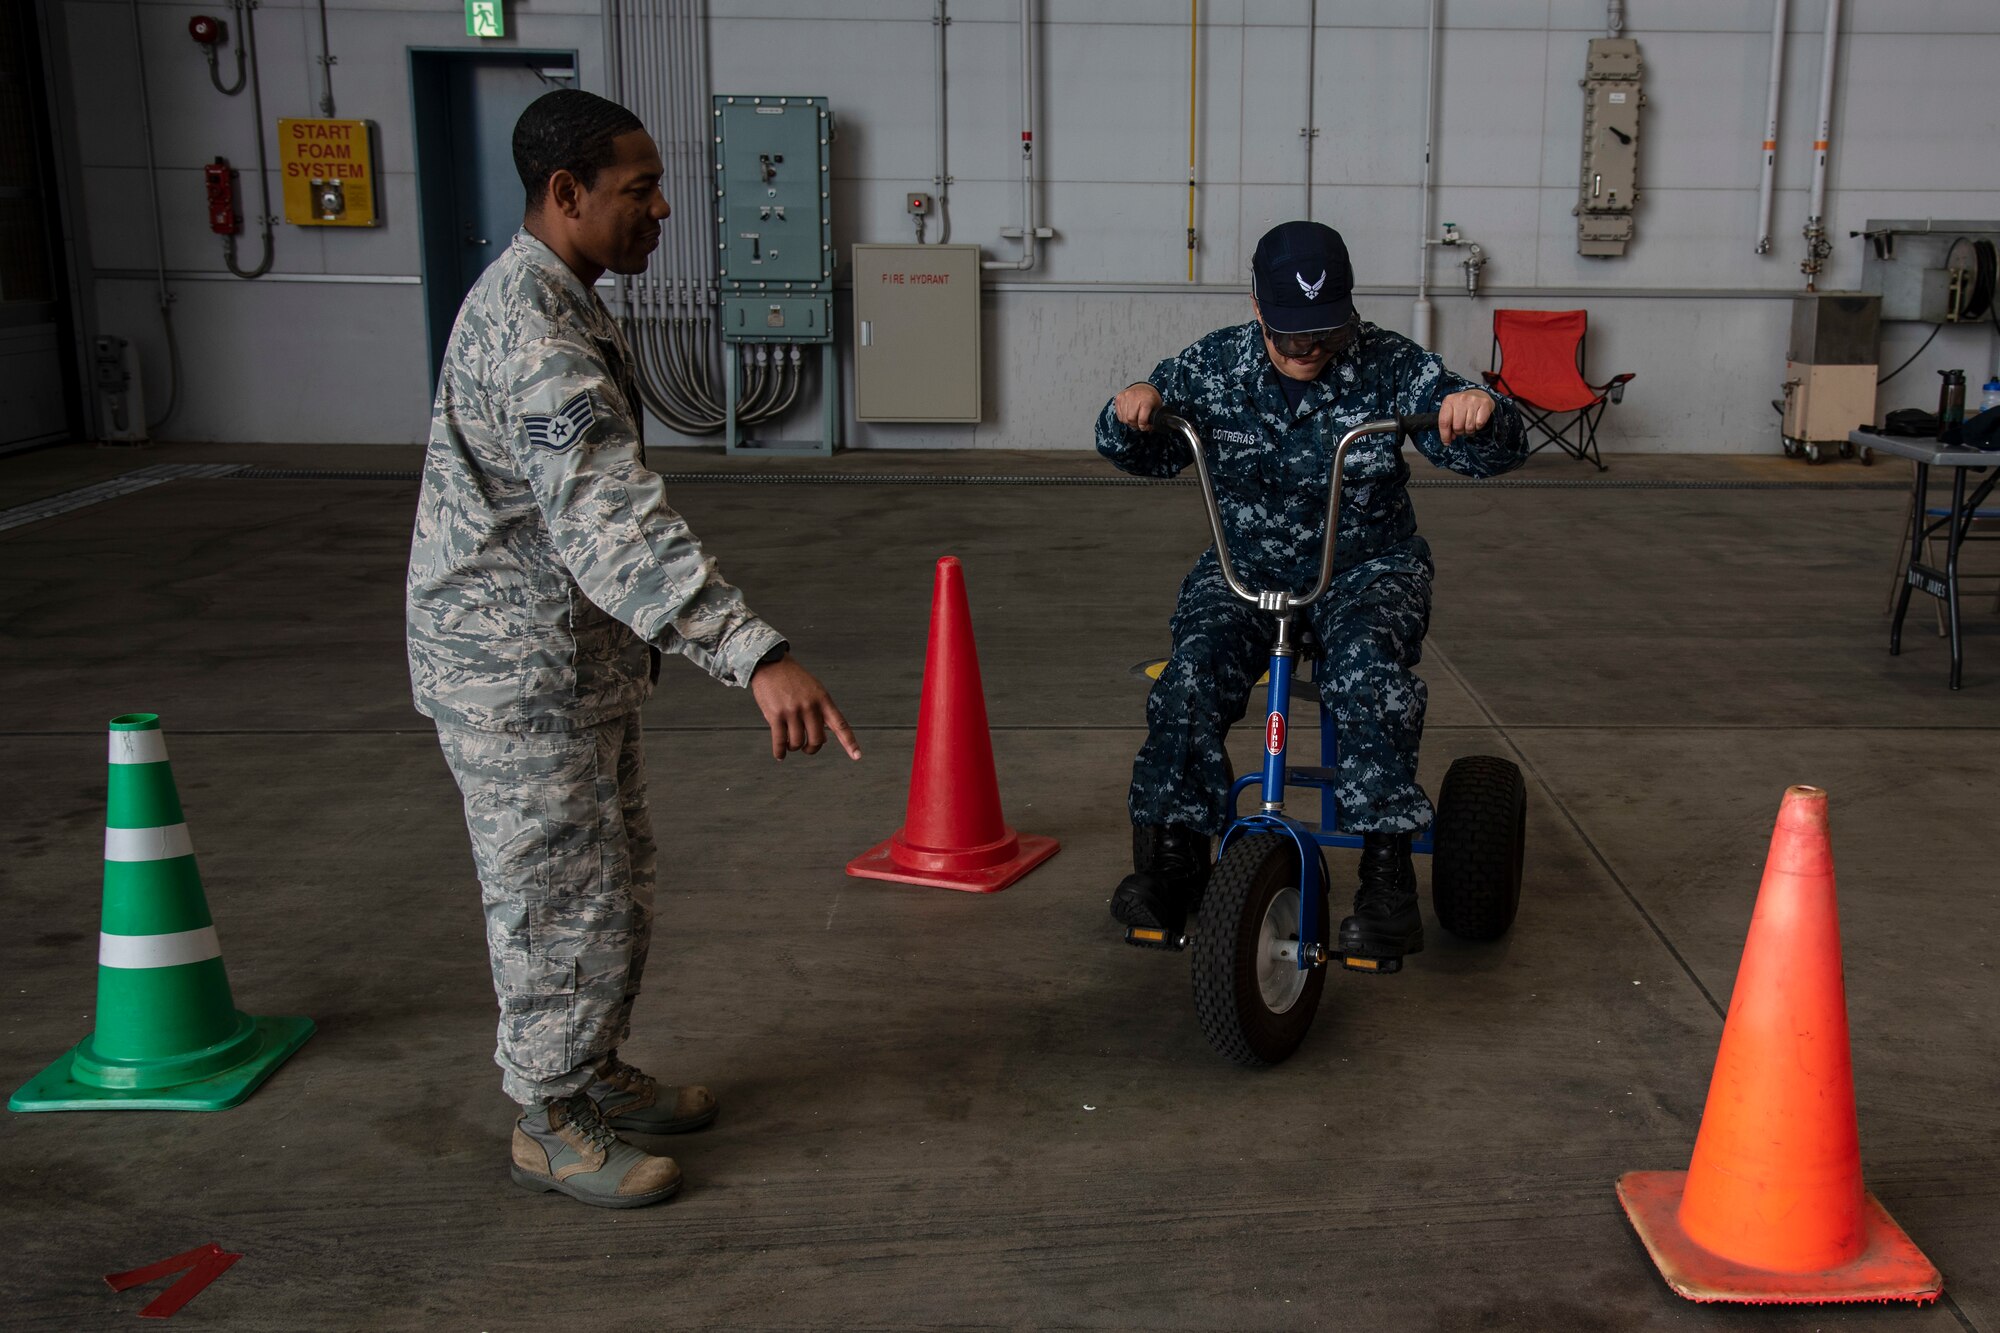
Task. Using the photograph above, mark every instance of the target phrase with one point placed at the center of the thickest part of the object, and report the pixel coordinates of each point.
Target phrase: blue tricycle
(1260, 935)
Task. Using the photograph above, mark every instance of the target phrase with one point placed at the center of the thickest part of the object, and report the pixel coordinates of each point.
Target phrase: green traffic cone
(169, 1037)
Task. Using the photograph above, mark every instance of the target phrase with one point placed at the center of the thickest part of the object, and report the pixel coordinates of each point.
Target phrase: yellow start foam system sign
(328, 168)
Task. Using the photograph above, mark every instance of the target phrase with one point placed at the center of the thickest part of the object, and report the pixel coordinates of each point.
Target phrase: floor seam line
(666, 728)
(1562, 807)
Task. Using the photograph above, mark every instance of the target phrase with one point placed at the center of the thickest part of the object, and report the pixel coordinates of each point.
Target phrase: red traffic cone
(953, 836)
(1771, 1209)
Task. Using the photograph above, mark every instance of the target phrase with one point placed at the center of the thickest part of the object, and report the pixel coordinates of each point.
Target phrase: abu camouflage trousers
(1371, 625)
(564, 850)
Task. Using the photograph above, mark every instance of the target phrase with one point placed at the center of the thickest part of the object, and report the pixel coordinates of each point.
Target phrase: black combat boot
(1386, 923)
(1169, 868)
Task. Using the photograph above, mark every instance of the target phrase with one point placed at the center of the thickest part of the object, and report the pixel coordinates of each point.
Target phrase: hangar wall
(330, 345)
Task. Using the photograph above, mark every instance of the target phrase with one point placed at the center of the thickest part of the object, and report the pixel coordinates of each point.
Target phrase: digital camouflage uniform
(546, 573)
(1270, 467)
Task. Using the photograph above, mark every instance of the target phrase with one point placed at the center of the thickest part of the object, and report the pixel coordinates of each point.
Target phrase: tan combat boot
(564, 1145)
(640, 1104)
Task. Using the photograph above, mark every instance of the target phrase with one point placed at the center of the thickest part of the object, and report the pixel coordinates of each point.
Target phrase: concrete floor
(955, 1111)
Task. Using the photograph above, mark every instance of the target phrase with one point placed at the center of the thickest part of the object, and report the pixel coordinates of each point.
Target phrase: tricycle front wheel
(1255, 1002)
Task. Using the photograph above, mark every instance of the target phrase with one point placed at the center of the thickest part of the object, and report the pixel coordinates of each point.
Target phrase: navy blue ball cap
(1302, 279)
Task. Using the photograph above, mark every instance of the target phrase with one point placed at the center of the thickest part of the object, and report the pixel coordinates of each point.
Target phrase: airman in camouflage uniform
(1271, 422)
(547, 575)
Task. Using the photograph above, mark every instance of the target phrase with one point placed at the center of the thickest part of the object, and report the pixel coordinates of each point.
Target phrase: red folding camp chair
(1538, 362)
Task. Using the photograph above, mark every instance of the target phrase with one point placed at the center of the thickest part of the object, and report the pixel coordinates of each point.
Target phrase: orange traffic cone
(953, 836)
(1771, 1208)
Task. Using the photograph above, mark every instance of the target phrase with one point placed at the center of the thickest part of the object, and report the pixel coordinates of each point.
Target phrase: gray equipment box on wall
(1612, 96)
(771, 207)
(774, 220)
(916, 333)
(1911, 263)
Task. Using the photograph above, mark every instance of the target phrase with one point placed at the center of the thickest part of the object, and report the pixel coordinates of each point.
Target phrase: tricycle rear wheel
(1255, 1006)
(1476, 858)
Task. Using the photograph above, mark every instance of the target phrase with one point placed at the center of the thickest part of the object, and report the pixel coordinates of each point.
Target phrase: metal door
(38, 390)
(469, 194)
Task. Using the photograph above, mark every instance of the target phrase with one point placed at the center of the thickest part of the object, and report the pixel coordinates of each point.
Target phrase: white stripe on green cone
(147, 844)
(141, 951)
(138, 747)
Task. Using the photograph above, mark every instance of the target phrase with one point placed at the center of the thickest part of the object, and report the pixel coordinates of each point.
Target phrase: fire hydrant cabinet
(916, 333)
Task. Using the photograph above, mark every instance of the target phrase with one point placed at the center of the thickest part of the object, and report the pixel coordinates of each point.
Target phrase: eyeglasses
(1301, 345)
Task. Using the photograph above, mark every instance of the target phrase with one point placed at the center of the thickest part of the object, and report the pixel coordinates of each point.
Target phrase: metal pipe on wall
(1420, 313)
(1771, 101)
(264, 219)
(657, 51)
(668, 74)
(214, 73)
(940, 176)
(326, 64)
(1194, 102)
(1817, 245)
(1029, 231)
(1309, 132)
(166, 297)
(699, 283)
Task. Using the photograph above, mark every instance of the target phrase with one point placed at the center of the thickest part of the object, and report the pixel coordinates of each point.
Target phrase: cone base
(54, 1089)
(1890, 1267)
(879, 862)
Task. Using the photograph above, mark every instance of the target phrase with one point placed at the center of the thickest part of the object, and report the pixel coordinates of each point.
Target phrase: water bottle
(1989, 396)
(1951, 401)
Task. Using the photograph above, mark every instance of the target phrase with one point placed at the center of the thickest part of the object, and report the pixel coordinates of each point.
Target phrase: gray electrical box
(772, 169)
(774, 229)
(916, 333)
(1610, 187)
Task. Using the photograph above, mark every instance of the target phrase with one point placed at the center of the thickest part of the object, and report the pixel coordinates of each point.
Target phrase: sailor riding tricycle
(1259, 938)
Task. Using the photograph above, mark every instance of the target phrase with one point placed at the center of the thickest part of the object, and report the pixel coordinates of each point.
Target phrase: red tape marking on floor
(200, 1266)
(138, 1277)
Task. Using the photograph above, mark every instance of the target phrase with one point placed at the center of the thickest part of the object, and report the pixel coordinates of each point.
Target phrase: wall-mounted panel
(916, 341)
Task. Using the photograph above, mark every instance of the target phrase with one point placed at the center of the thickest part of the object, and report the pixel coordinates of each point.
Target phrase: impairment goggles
(1301, 345)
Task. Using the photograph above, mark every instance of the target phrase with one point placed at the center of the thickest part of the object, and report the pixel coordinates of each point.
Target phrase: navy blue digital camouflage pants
(1371, 623)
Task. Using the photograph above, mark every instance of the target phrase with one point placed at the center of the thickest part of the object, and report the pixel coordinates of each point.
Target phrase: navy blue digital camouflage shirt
(1270, 460)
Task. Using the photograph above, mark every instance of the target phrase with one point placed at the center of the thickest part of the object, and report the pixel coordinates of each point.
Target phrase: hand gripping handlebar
(1286, 601)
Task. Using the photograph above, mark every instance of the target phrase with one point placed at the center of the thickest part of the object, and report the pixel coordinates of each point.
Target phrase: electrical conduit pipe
(1770, 148)
(1817, 247)
(1028, 230)
(940, 177)
(1420, 313)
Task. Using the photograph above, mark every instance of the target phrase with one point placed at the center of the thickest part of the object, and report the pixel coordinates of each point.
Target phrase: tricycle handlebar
(1285, 601)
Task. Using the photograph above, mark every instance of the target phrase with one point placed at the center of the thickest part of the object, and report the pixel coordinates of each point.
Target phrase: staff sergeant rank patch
(569, 423)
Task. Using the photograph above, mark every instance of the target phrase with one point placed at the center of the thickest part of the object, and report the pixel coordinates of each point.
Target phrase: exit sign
(484, 19)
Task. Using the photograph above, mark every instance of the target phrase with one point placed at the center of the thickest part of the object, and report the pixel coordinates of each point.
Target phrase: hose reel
(1969, 281)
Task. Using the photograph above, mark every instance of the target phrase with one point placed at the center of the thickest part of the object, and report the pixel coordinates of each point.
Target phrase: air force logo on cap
(559, 431)
(1311, 289)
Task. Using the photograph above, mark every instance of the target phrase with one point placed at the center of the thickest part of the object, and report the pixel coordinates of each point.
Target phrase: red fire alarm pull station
(208, 31)
(220, 179)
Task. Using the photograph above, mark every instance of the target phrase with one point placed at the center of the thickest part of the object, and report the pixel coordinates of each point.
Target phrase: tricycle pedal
(1376, 966)
(1152, 937)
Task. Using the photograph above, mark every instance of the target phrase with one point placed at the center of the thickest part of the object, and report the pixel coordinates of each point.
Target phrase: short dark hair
(567, 130)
